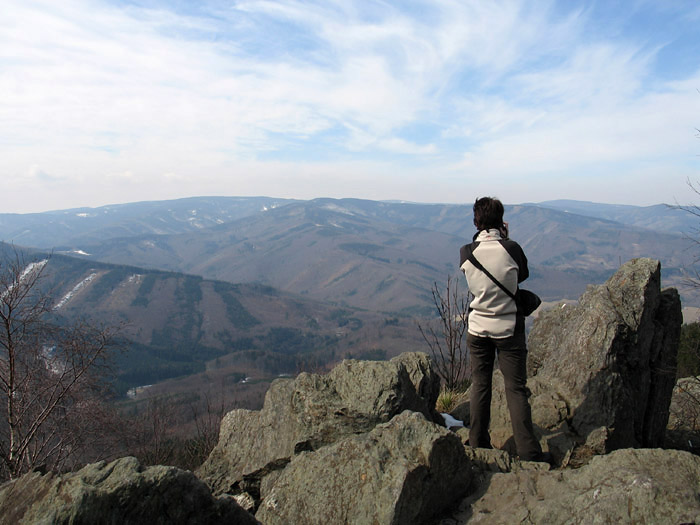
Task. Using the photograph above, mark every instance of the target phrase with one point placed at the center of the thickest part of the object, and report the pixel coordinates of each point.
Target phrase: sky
(105, 102)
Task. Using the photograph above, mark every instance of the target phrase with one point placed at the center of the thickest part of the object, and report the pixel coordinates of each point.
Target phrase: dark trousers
(512, 359)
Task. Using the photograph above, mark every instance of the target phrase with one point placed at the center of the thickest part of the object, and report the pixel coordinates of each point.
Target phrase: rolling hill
(385, 256)
(659, 217)
(50, 229)
(310, 249)
(177, 325)
(230, 288)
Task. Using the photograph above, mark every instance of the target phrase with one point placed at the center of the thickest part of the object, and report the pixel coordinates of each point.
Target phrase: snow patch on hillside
(31, 267)
(336, 208)
(194, 221)
(75, 290)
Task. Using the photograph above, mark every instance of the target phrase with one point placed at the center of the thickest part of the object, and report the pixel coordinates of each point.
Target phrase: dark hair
(488, 213)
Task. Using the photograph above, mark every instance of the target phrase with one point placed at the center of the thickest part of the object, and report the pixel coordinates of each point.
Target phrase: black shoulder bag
(525, 300)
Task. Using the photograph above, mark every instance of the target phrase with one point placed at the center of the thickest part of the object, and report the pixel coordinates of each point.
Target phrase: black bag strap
(480, 266)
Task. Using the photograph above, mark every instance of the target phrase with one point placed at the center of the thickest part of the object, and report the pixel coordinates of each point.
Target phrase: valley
(236, 291)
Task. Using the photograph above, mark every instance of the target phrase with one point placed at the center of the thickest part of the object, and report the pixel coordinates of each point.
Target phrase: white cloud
(127, 175)
(35, 173)
(398, 145)
(149, 101)
(655, 127)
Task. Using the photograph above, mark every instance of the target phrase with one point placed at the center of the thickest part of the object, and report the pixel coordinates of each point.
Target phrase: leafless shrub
(207, 417)
(447, 335)
(163, 431)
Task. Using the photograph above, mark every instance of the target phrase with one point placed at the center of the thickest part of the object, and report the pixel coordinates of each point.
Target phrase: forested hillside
(174, 325)
(385, 256)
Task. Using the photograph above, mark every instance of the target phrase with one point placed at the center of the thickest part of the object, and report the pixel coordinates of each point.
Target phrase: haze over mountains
(280, 283)
(49, 229)
(366, 254)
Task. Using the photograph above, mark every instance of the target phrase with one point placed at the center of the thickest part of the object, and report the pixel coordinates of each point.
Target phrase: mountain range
(366, 254)
(282, 283)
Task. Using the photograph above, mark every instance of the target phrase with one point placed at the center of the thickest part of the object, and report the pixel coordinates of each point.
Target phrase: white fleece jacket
(493, 312)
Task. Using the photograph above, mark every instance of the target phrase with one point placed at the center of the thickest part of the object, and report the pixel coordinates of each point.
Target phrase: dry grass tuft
(448, 400)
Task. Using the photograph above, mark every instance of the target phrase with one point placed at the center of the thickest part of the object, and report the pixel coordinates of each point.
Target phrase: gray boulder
(611, 358)
(488, 460)
(626, 486)
(312, 411)
(683, 430)
(404, 471)
(120, 492)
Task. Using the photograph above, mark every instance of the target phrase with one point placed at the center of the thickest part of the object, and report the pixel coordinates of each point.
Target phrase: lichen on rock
(612, 357)
(118, 492)
(403, 471)
(311, 411)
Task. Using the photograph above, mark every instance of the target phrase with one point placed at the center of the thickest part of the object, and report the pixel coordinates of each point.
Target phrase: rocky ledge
(363, 443)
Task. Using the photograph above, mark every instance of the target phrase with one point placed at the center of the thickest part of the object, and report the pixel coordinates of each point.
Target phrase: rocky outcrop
(363, 444)
(411, 466)
(403, 471)
(117, 492)
(602, 372)
(312, 411)
(684, 420)
(626, 486)
(611, 359)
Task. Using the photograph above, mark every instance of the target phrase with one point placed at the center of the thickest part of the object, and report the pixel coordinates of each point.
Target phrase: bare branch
(447, 341)
(49, 376)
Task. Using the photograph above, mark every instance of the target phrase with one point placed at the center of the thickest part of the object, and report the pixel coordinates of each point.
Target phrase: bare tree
(164, 431)
(152, 433)
(448, 340)
(207, 419)
(51, 377)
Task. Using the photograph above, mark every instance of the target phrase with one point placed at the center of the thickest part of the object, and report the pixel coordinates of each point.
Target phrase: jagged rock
(494, 460)
(683, 430)
(606, 365)
(314, 410)
(461, 412)
(245, 500)
(403, 471)
(597, 440)
(626, 486)
(117, 492)
(612, 357)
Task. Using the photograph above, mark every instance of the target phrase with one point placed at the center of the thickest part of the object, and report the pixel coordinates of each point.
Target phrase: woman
(495, 325)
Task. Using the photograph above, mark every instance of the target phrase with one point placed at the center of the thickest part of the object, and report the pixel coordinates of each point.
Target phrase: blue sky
(438, 101)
